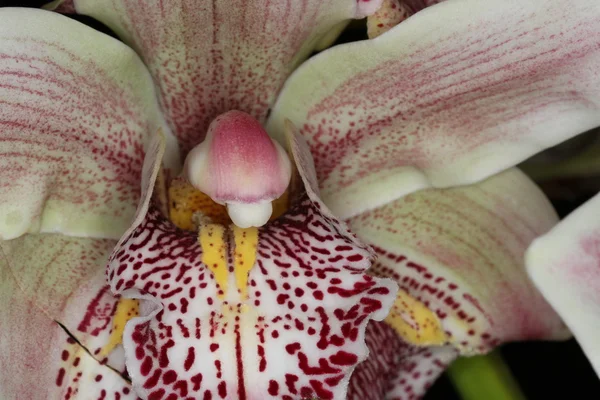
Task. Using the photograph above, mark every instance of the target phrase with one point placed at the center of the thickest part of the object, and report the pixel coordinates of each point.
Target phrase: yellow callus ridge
(214, 253)
(416, 323)
(185, 200)
(126, 309)
(246, 244)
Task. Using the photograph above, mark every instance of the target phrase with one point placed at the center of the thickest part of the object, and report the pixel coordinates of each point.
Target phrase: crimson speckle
(60, 377)
(186, 343)
(189, 360)
(146, 366)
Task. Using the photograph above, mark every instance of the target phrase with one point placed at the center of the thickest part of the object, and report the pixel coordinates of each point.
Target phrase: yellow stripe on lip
(126, 310)
(246, 245)
(214, 254)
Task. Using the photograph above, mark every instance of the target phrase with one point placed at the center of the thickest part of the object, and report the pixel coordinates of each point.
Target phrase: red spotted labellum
(237, 313)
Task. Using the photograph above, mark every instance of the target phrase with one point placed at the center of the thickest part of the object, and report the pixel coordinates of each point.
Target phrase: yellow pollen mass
(126, 309)
(214, 253)
(185, 200)
(416, 323)
(246, 244)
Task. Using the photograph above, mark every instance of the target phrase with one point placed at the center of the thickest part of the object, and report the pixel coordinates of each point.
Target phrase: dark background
(544, 370)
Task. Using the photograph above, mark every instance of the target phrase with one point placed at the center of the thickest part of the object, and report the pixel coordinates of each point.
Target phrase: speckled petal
(460, 252)
(565, 265)
(52, 279)
(209, 57)
(456, 93)
(297, 332)
(75, 119)
(47, 278)
(63, 276)
(395, 369)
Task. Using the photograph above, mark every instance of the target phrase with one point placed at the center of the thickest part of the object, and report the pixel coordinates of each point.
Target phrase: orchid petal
(45, 280)
(331, 36)
(295, 329)
(396, 369)
(565, 265)
(211, 57)
(75, 119)
(460, 252)
(448, 97)
(365, 8)
(60, 312)
(62, 276)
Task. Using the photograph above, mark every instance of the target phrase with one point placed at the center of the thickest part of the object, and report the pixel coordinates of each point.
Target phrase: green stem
(484, 377)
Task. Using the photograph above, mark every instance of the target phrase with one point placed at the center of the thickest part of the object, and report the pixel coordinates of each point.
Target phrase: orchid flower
(179, 209)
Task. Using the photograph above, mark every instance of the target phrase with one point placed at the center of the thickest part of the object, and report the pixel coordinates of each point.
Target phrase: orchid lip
(243, 312)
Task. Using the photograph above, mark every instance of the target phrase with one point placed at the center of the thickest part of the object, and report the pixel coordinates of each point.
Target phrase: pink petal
(64, 277)
(48, 279)
(75, 118)
(211, 57)
(565, 265)
(367, 7)
(299, 333)
(460, 252)
(454, 94)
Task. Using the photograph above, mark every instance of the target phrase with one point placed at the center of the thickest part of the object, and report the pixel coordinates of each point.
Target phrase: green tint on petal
(52, 279)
